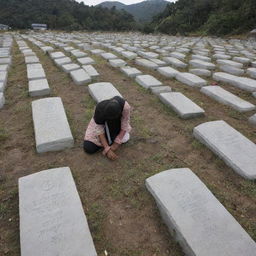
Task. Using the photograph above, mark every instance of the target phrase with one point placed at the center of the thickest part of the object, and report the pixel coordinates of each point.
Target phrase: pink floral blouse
(94, 130)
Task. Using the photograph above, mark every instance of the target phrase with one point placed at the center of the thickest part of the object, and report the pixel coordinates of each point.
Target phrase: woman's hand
(114, 146)
(111, 155)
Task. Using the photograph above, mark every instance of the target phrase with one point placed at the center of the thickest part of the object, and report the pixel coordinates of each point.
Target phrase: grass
(3, 135)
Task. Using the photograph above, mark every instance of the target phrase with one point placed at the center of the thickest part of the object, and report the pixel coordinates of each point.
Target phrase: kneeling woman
(109, 127)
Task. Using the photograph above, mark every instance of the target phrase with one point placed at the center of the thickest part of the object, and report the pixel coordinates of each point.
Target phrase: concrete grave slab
(31, 60)
(3, 78)
(243, 83)
(91, 71)
(50, 211)
(57, 55)
(252, 72)
(80, 77)
(67, 68)
(2, 100)
(103, 91)
(7, 60)
(37, 73)
(202, 64)
(86, 61)
(230, 63)
(190, 79)
(242, 60)
(160, 89)
(200, 72)
(200, 57)
(147, 81)
(108, 56)
(146, 63)
(194, 216)
(231, 146)
(168, 72)
(117, 63)
(232, 70)
(252, 120)
(39, 87)
(62, 61)
(130, 72)
(51, 126)
(175, 62)
(129, 55)
(4, 67)
(227, 98)
(180, 104)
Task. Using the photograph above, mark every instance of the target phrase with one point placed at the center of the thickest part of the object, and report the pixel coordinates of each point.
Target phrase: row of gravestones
(6, 43)
(50, 208)
(215, 92)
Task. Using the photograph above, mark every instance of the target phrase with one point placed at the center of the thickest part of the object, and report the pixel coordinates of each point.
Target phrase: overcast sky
(95, 2)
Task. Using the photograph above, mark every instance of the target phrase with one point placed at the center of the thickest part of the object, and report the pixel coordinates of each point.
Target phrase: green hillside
(62, 14)
(211, 17)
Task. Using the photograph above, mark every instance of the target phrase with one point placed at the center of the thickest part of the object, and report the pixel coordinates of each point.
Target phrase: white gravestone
(196, 219)
(103, 91)
(147, 81)
(52, 220)
(231, 146)
(52, 131)
(181, 105)
(221, 95)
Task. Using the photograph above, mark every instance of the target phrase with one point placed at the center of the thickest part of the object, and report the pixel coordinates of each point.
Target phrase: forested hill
(63, 14)
(212, 17)
(143, 11)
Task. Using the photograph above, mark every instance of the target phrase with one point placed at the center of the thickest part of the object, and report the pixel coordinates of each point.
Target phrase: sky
(95, 2)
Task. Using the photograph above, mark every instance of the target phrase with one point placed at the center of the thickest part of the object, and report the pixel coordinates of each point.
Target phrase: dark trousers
(90, 147)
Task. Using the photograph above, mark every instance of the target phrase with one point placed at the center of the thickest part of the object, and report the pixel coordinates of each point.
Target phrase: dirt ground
(122, 215)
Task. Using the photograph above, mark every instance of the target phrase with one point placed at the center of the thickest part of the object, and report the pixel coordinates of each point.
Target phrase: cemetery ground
(122, 215)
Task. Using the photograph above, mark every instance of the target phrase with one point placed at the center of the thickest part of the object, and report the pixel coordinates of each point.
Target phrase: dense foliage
(63, 14)
(207, 17)
(143, 11)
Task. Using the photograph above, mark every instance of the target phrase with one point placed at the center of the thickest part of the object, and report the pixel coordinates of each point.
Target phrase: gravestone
(35, 73)
(168, 72)
(91, 71)
(117, 63)
(67, 68)
(62, 61)
(232, 70)
(2, 100)
(231, 146)
(52, 220)
(102, 91)
(86, 61)
(3, 78)
(194, 216)
(160, 89)
(175, 62)
(57, 55)
(252, 120)
(190, 79)
(230, 63)
(129, 55)
(80, 77)
(200, 72)
(252, 72)
(202, 64)
(31, 60)
(180, 104)
(52, 132)
(108, 56)
(130, 71)
(225, 97)
(146, 63)
(243, 83)
(147, 81)
(39, 87)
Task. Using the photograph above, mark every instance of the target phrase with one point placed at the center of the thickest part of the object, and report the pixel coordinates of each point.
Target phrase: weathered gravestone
(52, 131)
(103, 91)
(190, 79)
(80, 76)
(147, 81)
(39, 87)
(52, 220)
(221, 95)
(180, 104)
(2, 100)
(196, 219)
(231, 146)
